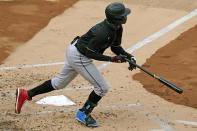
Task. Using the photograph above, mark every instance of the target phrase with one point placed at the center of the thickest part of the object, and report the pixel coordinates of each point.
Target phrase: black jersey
(98, 39)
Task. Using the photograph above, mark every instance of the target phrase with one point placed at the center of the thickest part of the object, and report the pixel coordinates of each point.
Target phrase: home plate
(59, 100)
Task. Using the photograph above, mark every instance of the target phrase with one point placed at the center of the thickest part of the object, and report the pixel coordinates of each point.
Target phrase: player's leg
(87, 69)
(84, 114)
(65, 76)
(59, 82)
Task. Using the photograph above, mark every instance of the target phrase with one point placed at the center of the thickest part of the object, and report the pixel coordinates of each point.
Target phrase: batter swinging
(79, 55)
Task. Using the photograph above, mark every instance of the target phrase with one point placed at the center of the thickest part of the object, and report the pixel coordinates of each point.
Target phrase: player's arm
(92, 53)
(118, 50)
(116, 46)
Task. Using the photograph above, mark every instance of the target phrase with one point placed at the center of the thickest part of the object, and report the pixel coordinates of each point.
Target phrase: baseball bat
(162, 80)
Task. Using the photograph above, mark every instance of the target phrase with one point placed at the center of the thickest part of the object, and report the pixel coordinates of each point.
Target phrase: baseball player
(79, 56)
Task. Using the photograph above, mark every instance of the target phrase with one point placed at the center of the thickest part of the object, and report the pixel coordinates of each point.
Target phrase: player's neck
(114, 26)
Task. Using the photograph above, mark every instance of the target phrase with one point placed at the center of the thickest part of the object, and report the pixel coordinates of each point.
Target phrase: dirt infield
(175, 62)
(22, 19)
(130, 105)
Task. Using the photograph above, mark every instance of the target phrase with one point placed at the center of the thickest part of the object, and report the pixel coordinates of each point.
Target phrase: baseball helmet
(116, 13)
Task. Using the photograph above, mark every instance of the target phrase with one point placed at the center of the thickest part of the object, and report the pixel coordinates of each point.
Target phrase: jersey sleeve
(93, 45)
(118, 39)
(116, 46)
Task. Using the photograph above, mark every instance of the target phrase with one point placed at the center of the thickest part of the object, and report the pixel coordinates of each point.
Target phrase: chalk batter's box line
(161, 121)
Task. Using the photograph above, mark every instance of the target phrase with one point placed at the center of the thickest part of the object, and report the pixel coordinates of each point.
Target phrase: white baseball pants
(76, 63)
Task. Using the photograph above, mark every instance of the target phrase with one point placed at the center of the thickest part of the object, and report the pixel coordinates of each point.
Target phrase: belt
(74, 42)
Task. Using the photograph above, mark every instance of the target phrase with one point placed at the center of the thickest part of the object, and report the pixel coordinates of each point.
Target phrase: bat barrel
(170, 85)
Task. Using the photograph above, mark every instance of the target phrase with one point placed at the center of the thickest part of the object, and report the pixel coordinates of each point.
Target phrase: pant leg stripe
(89, 72)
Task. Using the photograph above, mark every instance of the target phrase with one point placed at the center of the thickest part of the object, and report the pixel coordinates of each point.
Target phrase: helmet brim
(127, 12)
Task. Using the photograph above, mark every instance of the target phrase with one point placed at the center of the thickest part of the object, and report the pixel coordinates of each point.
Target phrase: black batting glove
(117, 59)
(132, 59)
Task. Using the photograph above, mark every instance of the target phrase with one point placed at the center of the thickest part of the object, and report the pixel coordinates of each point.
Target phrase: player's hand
(117, 59)
(133, 59)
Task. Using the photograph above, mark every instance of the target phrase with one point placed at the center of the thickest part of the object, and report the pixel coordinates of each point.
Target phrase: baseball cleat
(21, 98)
(86, 119)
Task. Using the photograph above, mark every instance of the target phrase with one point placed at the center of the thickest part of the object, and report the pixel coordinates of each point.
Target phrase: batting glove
(117, 59)
(131, 66)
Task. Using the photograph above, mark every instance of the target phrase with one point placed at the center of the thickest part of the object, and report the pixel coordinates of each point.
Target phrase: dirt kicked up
(177, 62)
